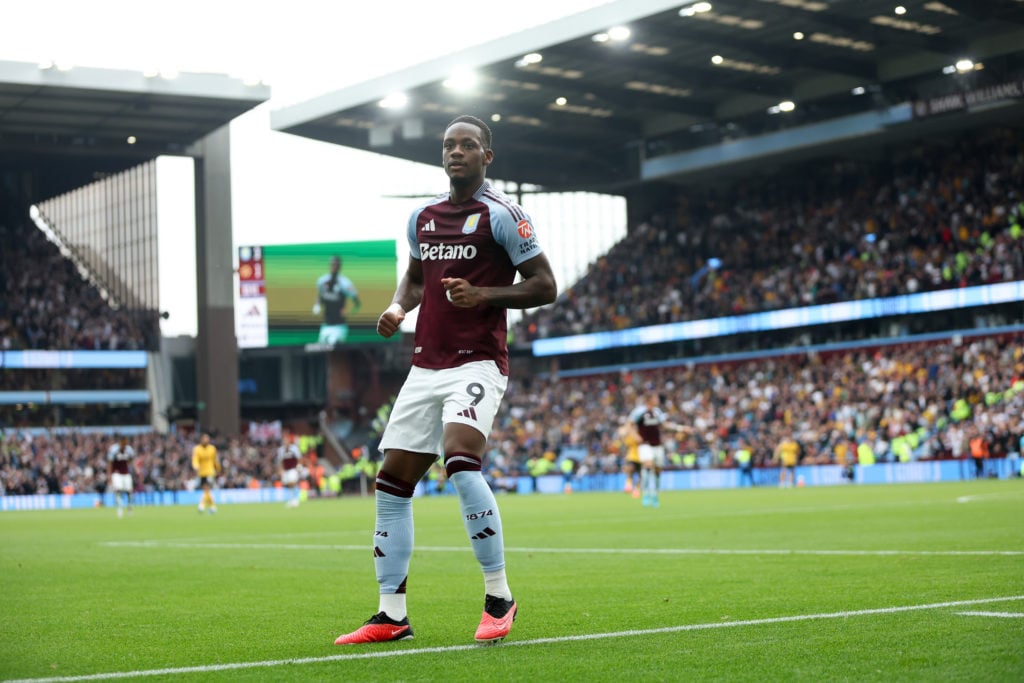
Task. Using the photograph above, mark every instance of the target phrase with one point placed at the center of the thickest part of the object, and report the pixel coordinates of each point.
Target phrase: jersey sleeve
(349, 288)
(410, 234)
(518, 237)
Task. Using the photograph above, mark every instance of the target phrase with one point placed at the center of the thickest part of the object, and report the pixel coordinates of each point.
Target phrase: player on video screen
(334, 291)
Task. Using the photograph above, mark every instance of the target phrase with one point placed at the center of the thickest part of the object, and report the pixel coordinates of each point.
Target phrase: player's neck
(464, 192)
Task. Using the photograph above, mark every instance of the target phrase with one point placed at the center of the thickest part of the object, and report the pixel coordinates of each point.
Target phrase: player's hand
(317, 308)
(390, 320)
(461, 293)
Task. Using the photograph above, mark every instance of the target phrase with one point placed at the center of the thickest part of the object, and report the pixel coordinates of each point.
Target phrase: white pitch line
(379, 654)
(571, 551)
(1006, 615)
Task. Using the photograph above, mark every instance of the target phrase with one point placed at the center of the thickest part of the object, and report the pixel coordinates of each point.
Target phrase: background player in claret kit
(207, 466)
(289, 461)
(649, 419)
(333, 293)
(466, 247)
(120, 460)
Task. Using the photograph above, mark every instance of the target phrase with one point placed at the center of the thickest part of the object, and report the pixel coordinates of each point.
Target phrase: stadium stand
(940, 216)
(906, 402)
(937, 216)
(829, 403)
(47, 305)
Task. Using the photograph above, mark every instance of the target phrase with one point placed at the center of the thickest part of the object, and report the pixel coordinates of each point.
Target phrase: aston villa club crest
(469, 226)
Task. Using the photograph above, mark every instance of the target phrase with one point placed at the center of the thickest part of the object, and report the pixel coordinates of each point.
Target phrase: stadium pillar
(216, 348)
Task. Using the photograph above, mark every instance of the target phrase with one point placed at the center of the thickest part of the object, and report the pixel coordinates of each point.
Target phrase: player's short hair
(485, 131)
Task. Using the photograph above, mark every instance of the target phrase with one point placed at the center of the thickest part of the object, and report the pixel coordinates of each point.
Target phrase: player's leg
(646, 462)
(472, 396)
(393, 539)
(411, 443)
(659, 464)
(207, 502)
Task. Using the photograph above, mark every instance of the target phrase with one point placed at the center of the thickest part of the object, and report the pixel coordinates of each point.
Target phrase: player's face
(335, 265)
(464, 156)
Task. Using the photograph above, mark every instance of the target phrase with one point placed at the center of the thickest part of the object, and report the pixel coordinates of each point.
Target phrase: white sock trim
(393, 605)
(496, 583)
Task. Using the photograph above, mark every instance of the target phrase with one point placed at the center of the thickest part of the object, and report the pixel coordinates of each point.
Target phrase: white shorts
(469, 394)
(651, 456)
(121, 482)
(290, 477)
(333, 334)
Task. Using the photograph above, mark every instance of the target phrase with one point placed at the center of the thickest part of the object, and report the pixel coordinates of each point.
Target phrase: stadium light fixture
(561, 101)
(462, 80)
(64, 66)
(527, 60)
(600, 37)
(495, 118)
(619, 33)
(396, 100)
(151, 72)
(169, 74)
(964, 65)
(900, 10)
(798, 35)
(783, 107)
(695, 8)
(859, 90)
(717, 59)
(46, 64)
(131, 140)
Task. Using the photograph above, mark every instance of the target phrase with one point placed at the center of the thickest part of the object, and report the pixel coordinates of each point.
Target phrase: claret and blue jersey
(482, 241)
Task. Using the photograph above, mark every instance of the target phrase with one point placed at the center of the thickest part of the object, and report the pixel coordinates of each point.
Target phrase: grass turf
(269, 588)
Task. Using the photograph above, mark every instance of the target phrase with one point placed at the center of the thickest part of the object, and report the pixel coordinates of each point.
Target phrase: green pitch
(883, 583)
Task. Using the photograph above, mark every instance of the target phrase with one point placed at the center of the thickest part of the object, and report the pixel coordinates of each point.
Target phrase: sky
(284, 188)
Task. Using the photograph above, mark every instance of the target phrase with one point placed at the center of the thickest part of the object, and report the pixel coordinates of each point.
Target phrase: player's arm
(407, 297)
(195, 458)
(535, 289)
(353, 294)
(676, 427)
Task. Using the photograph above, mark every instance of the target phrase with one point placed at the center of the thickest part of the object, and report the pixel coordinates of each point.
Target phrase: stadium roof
(577, 105)
(49, 109)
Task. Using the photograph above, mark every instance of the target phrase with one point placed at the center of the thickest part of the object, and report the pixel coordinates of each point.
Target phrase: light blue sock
(393, 538)
(481, 517)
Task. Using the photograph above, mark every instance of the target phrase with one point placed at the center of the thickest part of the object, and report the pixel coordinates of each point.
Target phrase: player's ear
(488, 157)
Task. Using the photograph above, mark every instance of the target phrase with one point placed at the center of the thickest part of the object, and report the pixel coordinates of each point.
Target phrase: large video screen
(316, 296)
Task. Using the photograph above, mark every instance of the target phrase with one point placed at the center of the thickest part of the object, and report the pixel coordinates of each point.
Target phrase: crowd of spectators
(46, 304)
(73, 379)
(76, 462)
(946, 393)
(937, 217)
(932, 218)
